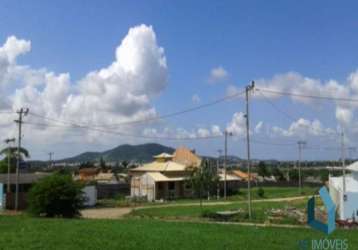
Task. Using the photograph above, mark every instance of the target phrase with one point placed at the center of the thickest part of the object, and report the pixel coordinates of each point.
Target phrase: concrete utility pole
(217, 172)
(301, 145)
(22, 112)
(225, 162)
(50, 154)
(343, 156)
(7, 141)
(248, 89)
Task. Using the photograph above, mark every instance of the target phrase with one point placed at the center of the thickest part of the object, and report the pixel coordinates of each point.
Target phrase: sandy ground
(105, 213)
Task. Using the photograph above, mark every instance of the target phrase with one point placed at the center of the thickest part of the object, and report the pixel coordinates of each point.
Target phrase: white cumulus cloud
(120, 92)
(218, 74)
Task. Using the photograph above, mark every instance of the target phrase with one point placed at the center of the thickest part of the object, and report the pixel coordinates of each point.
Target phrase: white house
(347, 204)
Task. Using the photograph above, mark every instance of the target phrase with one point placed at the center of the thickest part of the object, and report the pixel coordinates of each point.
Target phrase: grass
(270, 193)
(195, 212)
(34, 233)
(274, 192)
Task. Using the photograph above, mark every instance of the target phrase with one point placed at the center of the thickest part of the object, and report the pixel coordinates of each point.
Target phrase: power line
(75, 126)
(307, 96)
(7, 112)
(161, 117)
(287, 115)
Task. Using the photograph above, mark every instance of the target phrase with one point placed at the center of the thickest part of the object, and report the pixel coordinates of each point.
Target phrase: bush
(260, 192)
(208, 214)
(56, 196)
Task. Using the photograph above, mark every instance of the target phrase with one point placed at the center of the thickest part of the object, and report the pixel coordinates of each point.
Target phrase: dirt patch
(105, 213)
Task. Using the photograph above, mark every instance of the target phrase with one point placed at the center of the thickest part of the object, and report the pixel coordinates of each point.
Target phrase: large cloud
(303, 128)
(300, 85)
(121, 92)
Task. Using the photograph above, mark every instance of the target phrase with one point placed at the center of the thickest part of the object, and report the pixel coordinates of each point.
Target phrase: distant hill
(126, 152)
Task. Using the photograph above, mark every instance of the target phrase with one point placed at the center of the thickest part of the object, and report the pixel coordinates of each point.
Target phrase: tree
(293, 174)
(102, 164)
(56, 196)
(11, 152)
(203, 179)
(262, 169)
(278, 174)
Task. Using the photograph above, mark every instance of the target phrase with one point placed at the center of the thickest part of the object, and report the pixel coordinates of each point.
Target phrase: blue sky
(250, 40)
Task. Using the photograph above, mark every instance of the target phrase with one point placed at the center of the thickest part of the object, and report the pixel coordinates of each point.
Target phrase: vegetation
(11, 152)
(262, 170)
(260, 192)
(203, 180)
(260, 211)
(56, 196)
(137, 153)
(274, 192)
(35, 233)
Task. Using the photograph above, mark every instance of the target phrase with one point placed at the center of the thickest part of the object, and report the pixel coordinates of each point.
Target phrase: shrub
(56, 196)
(260, 192)
(208, 214)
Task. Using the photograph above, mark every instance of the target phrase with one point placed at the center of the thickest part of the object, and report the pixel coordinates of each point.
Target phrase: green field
(33, 233)
(186, 212)
(270, 193)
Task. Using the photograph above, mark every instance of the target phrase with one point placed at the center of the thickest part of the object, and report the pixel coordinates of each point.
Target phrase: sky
(105, 65)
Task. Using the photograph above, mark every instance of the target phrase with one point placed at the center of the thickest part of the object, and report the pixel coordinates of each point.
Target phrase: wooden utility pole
(248, 89)
(22, 112)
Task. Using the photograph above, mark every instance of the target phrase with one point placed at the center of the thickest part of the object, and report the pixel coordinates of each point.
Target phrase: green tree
(293, 174)
(262, 169)
(203, 179)
(56, 196)
(11, 152)
(278, 174)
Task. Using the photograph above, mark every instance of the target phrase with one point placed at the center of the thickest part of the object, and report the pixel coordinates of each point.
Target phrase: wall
(90, 194)
(351, 206)
(143, 185)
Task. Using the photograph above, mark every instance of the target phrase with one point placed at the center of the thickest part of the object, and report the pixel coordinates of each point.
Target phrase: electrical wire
(140, 121)
(307, 96)
(75, 126)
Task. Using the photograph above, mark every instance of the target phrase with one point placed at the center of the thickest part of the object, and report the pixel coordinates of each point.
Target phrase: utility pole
(50, 154)
(7, 141)
(226, 133)
(248, 89)
(300, 144)
(218, 172)
(343, 156)
(22, 112)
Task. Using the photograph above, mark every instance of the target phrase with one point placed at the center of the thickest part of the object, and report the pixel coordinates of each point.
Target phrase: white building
(347, 205)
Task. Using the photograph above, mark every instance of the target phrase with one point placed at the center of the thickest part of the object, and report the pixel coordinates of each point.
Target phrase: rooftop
(160, 167)
(24, 178)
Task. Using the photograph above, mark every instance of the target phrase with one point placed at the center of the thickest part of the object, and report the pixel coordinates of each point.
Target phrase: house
(165, 177)
(26, 180)
(161, 179)
(347, 203)
(244, 176)
(87, 174)
(108, 177)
